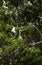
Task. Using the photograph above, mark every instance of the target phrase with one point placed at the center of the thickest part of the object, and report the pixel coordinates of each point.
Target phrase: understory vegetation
(20, 32)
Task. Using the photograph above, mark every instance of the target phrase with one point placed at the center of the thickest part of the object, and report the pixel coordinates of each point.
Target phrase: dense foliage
(20, 25)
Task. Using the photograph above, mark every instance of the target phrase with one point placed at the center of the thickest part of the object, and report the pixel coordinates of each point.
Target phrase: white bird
(4, 4)
(29, 3)
(13, 30)
(20, 37)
